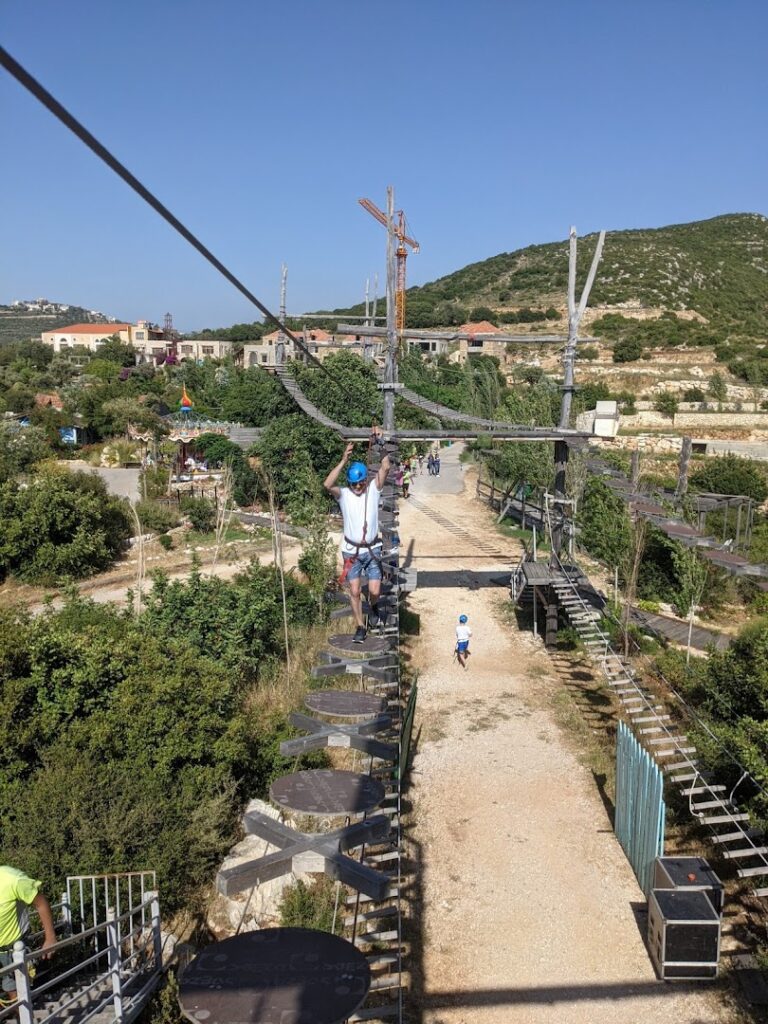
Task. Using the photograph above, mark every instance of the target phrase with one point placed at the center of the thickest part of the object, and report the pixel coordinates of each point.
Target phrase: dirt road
(529, 911)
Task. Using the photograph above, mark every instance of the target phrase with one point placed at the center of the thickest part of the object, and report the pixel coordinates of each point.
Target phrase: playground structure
(377, 875)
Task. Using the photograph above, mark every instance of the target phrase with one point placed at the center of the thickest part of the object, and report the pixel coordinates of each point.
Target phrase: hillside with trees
(20, 323)
(717, 268)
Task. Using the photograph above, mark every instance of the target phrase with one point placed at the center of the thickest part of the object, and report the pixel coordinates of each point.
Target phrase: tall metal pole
(281, 338)
(390, 367)
(569, 358)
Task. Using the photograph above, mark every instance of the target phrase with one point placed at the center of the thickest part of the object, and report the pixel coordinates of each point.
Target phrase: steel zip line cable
(50, 103)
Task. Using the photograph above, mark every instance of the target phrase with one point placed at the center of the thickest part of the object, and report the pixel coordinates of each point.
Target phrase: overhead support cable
(62, 114)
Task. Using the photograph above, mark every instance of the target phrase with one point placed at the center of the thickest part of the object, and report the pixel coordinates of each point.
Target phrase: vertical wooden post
(634, 473)
(550, 638)
(682, 471)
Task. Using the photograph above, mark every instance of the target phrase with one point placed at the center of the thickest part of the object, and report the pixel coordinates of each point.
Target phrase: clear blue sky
(499, 122)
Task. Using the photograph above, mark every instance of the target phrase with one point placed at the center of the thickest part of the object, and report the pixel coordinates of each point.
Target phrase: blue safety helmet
(462, 618)
(357, 472)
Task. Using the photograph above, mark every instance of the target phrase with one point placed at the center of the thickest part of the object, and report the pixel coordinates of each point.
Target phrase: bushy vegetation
(730, 689)
(729, 474)
(140, 737)
(156, 517)
(715, 267)
(313, 905)
(60, 526)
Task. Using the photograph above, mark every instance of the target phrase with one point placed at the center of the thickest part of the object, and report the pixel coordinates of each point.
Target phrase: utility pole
(569, 358)
(390, 367)
(281, 338)
(575, 313)
(367, 352)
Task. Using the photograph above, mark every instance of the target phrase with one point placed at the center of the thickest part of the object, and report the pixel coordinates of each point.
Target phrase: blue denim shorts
(462, 645)
(366, 564)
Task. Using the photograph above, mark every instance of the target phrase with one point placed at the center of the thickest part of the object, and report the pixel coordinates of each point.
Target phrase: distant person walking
(463, 633)
(17, 892)
(431, 464)
(437, 464)
(406, 479)
(421, 465)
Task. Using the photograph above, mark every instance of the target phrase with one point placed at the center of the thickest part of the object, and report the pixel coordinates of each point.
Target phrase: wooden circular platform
(324, 791)
(345, 703)
(273, 976)
(371, 646)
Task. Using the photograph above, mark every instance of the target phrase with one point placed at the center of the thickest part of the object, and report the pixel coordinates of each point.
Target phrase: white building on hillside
(147, 338)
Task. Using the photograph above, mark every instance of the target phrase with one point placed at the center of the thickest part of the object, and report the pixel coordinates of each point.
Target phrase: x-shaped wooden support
(310, 852)
(383, 667)
(322, 734)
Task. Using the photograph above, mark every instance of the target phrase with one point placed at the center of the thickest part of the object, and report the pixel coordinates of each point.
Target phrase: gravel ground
(527, 909)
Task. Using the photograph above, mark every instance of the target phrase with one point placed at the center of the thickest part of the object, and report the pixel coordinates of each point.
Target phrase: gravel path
(528, 905)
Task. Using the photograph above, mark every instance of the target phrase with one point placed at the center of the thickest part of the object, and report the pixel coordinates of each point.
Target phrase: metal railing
(108, 956)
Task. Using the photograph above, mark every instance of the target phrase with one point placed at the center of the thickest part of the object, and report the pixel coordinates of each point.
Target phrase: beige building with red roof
(148, 339)
(480, 341)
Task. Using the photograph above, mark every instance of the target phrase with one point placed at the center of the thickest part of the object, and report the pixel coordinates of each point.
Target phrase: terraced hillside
(20, 325)
(717, 268)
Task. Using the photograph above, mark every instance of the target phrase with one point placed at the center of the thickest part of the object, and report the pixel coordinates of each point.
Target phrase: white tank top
(357, 511)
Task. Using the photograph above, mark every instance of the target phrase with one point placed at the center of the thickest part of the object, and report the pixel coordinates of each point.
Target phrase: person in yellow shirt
(18, 891)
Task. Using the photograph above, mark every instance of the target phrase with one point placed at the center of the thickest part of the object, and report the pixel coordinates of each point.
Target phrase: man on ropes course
(361, 544)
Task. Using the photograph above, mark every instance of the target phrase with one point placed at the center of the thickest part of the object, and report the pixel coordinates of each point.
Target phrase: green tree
(62, 525)
(729, 474)
(20, 449)
(253, 398)
(666, 403)
(604, 527)
(346, 389)
(627, 350)
(115, 350)
(717, 387)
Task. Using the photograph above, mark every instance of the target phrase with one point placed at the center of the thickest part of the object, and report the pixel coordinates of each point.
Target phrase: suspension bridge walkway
(500, 431)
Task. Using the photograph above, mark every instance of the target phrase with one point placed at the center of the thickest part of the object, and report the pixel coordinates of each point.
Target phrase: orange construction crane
(401, 253)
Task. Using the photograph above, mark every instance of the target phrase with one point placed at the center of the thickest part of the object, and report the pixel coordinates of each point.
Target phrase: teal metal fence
(640, 807)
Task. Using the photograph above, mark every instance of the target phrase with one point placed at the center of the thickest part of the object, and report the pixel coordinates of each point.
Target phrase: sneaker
(359, 636)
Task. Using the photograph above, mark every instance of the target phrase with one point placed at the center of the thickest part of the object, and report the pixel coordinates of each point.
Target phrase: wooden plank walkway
(677, 632)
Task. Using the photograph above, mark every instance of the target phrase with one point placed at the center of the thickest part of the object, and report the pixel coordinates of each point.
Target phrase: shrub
(63, 525)
(201, 513)
(666, 403)
(588, 352)
(311, 905)
(156, 517)
(166, 541)
(729, 474)
(627, 350)
(694, 395)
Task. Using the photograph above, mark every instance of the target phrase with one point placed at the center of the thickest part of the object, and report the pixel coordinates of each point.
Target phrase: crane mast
(401, 254)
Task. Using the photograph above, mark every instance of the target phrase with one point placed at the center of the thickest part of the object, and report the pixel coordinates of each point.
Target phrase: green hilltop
(717, 267)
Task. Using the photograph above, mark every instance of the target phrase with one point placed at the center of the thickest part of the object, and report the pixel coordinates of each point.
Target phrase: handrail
(139, 922)
(730, 807)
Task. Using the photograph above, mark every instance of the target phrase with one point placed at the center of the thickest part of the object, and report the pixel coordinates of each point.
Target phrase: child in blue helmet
(463, 633)
(361, 544)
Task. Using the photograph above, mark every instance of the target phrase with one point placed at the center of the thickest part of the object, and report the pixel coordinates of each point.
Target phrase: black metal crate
(693, 873)
(683, 934)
